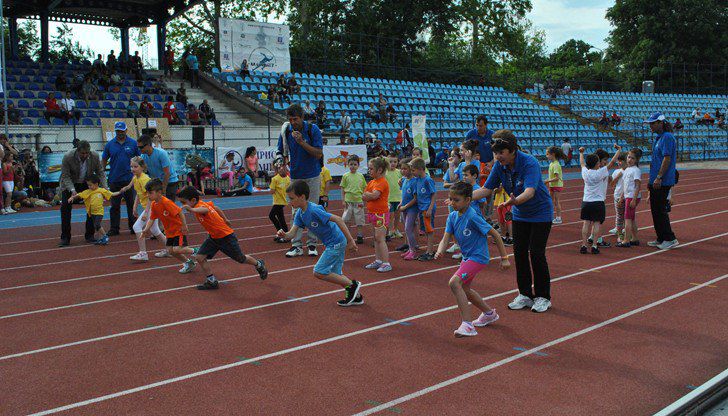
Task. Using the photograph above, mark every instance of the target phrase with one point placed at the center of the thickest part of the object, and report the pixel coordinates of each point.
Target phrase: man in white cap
(118, 153)
(662, 178)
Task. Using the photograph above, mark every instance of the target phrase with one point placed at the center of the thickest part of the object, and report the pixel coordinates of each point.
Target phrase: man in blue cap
(118, 153)
(159, 166)
(662, 178)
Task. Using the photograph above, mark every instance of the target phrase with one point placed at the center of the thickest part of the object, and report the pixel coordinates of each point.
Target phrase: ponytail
(556, 151)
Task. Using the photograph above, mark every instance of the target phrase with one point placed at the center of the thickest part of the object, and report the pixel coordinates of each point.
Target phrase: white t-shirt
(631, 174)
(225, 167)
(68, 104)
(595, 184)
(565, 147)
(618, 187)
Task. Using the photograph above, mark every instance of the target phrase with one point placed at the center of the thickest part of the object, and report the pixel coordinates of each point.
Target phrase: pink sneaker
(465, 330)
(410, 255)
(485, 319)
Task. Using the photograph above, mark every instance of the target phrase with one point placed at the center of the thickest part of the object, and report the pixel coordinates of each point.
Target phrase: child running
(618, 181)
(221, 237)
(593, 211)
(93, 199)
(408, 209)
(333, 233)
(426, 205)
(632, 195)
(174, 223)
(278, 185)
(376, 196)
(555, 182)
(139, 183)
(394, 176)
(352, 187)
(471, 232)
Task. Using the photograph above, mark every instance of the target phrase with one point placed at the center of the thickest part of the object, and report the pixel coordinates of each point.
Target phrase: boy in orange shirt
(376, 195)
(174, 222)
(221, 237)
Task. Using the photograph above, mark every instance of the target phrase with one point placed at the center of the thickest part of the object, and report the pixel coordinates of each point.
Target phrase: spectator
(68, 108)
(382, 108)
(136, 66)
(207, 112)
(244, 70)
(321, 119)
(662, 178)
(194, 116)
(114, 80)
(47, 149)
(678, 125)
(77, 165)
(568, 151)
(292, 84)
(146, 109)
(30, 170)
(157, 142)
(77, 85)
(170, 112)
(252, 167)
(441, 158)
(132, 110)
(721, 122)
(98, 64)
(168, 63)
(344, 124)
(60, 83)
(13, 114)
(111, 63)
(272, 93)
(708, 120)
(89, 90)
(616, 119)
(194, 67)
(484, 137)
(118, 153)
(374, 146)
(159, 166)
(404, 140)
(604, 121)
(391, 113)
(183, 64)
(308, 112)
(52, 109)
(181, 94)
(718, 114)
(282, 90)
(372, 113)
(696, 115)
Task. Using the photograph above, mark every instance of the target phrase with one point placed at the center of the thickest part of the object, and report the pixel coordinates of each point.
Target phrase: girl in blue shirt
(471, 231)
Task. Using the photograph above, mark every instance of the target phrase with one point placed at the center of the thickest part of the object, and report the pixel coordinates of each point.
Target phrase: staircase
(226, 115)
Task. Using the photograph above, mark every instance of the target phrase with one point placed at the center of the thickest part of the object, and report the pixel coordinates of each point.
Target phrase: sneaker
(209, 285)
(654, 243)
(507, 241)
(373, 265)
(9, 210)
(312, 252)
(486, 318)
(359, 239)
(162, 253)
(666, 245)
(603, 244)
(453, 248)
(262, 271)
(294, 252)
(352, 292)
(583, 250)
(140, 256)
(3, 212)
(520, 302)
(595, 250)
(634, 243)
(425, 257)
(403, 247)
(188, 266)
(103, 241)
(465, 330)
(64, 243)
(613, 231)
(359, 300)
(457, 256)
(590, 240)
(410, 255)
(385, 267)
(557, 220)
(541, 305)
(623, 244)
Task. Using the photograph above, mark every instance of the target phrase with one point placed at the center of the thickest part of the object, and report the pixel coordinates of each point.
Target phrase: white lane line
(530, 351)
(375, 328)
(316, 295)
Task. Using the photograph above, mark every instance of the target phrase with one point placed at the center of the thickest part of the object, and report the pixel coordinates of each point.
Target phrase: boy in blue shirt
(425, 193)
(471, 231)
(333, 233)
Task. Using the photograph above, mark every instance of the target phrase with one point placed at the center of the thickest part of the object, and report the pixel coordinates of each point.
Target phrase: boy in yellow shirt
(325, 177)
(352, 188)
(278, 185)
(93, 198)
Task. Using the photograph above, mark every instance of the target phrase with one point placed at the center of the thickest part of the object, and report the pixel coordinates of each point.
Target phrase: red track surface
(82, 326)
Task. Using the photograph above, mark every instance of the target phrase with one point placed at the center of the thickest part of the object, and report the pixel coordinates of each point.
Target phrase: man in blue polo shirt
(118, 153)
(159, 166)
(484, 137)
(301, 144)
(662, 178)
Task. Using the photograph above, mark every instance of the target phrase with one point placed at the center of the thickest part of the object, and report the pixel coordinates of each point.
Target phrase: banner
(49, 166)
(335, 158)
(265, 156)
(177, 158)
(420, 136)
(264, 45)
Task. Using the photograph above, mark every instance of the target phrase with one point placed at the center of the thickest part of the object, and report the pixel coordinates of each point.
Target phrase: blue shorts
(331, 260)
(432, 220)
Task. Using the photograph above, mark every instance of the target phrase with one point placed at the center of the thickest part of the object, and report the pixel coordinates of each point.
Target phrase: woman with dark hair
(253, 168)
(662, 178)
(520, 176)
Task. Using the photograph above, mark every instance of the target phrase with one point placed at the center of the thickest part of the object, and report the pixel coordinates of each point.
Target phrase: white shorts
(355, 211)
(139, 225)
(8, 186)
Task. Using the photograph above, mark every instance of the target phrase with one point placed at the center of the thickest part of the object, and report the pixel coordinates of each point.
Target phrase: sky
(561, 20)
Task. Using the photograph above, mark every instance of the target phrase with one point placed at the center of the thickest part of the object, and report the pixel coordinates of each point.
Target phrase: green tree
(28, 41)
(63, 49)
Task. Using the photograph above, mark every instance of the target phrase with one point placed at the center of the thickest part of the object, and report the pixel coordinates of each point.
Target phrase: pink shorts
(629, 213)
(556, 188)
(378, 220)
(468, 269)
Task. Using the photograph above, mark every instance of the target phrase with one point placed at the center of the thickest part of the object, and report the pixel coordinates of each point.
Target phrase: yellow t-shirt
(353, 184)
(140, 184)
(555, 169)
(278, 185)
(94, 200)
(500, 197)
(393, 177)
(325, 177)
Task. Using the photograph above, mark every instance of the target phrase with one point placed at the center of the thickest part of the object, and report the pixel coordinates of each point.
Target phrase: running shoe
(486, 318)
(465, 330)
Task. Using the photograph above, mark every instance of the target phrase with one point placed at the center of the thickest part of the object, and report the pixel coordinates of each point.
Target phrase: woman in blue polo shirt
(662, 178)
(520, 176)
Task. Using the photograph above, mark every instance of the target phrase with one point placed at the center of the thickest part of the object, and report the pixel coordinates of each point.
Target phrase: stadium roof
(119, 13)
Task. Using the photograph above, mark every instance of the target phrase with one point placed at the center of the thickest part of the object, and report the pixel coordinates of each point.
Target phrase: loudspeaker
(198, 136)
(149, 131)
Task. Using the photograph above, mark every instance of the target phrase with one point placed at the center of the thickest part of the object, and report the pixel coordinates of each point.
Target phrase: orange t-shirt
(212, 222)
(168, 213)
(379, 205)
(484, 172)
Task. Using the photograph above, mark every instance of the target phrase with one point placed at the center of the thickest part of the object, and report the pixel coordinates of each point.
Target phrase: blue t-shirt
(525, 174)
(459, 169)
(409, 189)
(471, 233)
(665, 145)
(477, 203)
(156, 162)
(119, 157)
(247, 183)
(192, 62)
(316, 220)
(425, 191)
(303, 165)
(486, 154)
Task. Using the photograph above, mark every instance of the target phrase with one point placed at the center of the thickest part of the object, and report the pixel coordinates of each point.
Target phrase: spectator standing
(662, 179)
(98, 64)
(194, 66)
(382, 108)
(159, 166)
(372, 113)
(60, 83)
(111, 63)
(76, 167)
(68, 108)
(568, 151)
(118, 153)
(168, 62)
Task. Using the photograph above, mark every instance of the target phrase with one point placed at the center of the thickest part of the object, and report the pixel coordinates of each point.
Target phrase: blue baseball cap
(120, 126)
(658, 116)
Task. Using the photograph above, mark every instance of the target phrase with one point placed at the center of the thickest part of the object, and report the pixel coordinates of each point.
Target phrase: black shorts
(228, 245)
(594, 211)
(96, 220)
(177, 241)
(324, 202)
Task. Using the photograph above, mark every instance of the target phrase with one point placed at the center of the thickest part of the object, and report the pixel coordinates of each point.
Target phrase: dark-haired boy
(593, 210)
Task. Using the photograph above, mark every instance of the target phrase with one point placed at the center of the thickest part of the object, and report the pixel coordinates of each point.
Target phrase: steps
(226, 115)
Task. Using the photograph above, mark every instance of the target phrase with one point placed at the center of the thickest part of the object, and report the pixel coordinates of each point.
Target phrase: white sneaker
(312, 252)
(613, 231)
(457, 256)
(666, 245)
(557, 220)
(140, 256)
(188, 266)
(161, 254)
(373, 265)
(484, 319)
(3, 212)
(385, 267)
(9, 210)
(294, 252)
(453, 248)
(520, 302)
(541, 305)
(465, 330)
